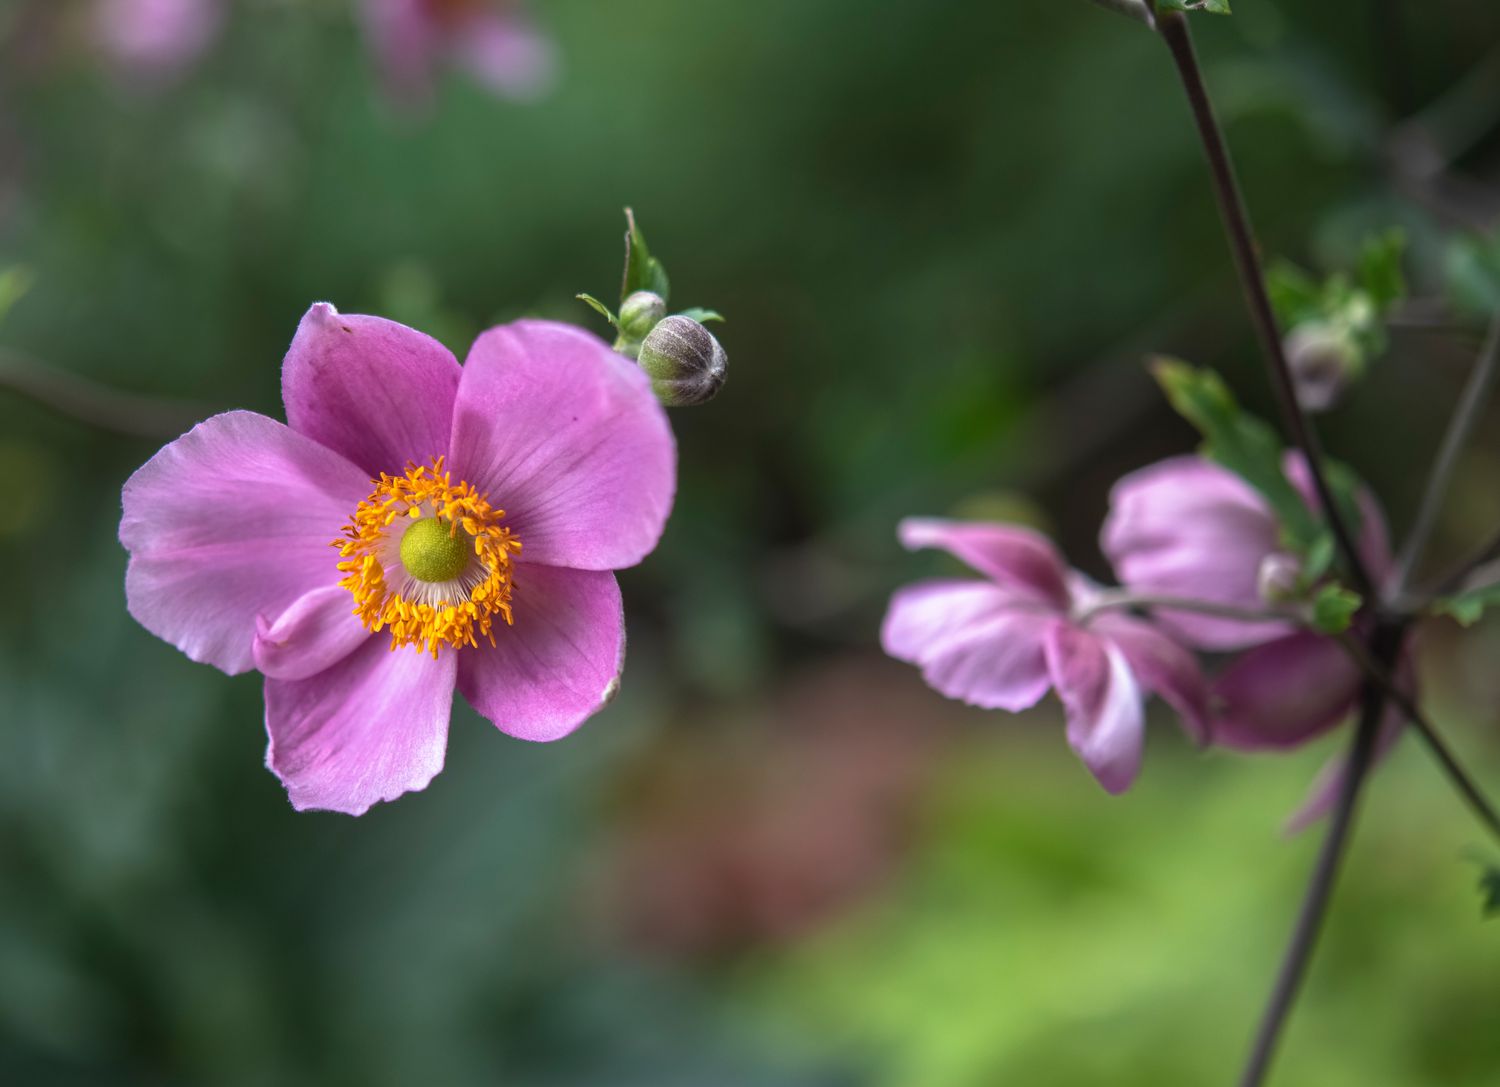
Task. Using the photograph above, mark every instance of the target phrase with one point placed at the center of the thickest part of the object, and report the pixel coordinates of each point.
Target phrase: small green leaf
(600, 307)
(643, 272)
(14, 283)
(1472, 269)
(1212, 7)
(1240, 442)
(1489, 889)
(1318, 560)
(1467, 607)
(1333, 608)
(1296, 296)
(701, 315)
(1379, 269)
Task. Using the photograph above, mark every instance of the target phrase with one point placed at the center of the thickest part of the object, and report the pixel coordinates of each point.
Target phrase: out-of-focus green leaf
(1472, 269)
(14, 283)
(643, 272)
(1379, 269)
(1245, 445)
(1296, 296)
(1333, 608)
(701, 315)
(1468, 606)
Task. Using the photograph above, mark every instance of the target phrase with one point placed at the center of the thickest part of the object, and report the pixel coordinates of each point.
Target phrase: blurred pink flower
(1002, 643)
(1188, 527)
(494, 40)
(156, 40)
(233, 559)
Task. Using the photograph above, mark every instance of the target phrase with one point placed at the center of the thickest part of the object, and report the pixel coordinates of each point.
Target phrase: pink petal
(566, 437)
(232, 521)
(370, 728)
(1284, 693)
(1013, 556)
(506, 53)
(559, 663)
(1187, 527)
(377, 392)
(156, 40)
(316, 632)
(1329, 783)
(972, 640)
(404, 40)
(1162, 666)
(1106, 725)
(1374, 541)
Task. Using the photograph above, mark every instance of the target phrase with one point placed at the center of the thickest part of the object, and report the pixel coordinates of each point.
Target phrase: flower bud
(1324, 361)
(684, 361)
(1279, 580)
(640, 313)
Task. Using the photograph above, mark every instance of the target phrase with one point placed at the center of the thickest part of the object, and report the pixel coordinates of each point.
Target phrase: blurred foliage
(946, 235)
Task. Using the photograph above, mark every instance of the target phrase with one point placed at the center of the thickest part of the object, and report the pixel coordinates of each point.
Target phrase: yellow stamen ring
(440, 580)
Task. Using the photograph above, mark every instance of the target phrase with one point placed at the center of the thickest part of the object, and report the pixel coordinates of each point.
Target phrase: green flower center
(434, 550)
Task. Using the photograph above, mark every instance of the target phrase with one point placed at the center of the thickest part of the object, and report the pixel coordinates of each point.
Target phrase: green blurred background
(945, 234)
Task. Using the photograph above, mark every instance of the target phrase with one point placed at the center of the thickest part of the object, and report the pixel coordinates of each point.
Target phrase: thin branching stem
(1174, 31)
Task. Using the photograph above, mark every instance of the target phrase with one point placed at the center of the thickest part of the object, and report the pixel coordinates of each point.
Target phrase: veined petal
(373, 726)
(376, 391)
(567, 437)
(1015, 557)
(232, 521)
(1188, 527)
(316, 632)
(560, 661)
(1162, 666)
(972, 641)
(1284, 693)
(1106, 724)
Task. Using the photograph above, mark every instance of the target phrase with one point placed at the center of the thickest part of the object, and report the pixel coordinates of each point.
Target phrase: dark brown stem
(1174, 31)
(1320, 887)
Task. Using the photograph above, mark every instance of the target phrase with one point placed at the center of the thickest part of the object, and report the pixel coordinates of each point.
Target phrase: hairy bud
(684, 361)
(1279, 580)
(1324, 361)
(640, 313)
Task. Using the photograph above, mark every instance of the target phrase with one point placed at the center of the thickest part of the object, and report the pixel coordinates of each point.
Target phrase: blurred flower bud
(1324, 361)
(1279, 580)
(684, 361)
(640, 313)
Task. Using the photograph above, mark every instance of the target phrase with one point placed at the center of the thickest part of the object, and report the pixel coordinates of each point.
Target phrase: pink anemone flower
(1030, 627)
(494, 40)
(156, 40)
(415, 526)
(1187, 527)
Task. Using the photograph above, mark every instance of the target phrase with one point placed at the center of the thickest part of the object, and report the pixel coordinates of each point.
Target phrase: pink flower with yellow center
(414, 527)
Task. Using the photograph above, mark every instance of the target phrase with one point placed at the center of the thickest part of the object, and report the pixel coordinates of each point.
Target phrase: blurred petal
(232, 521)
(1284, 693)
(370, 728)
(561, 660)
(1162, 666)
(317, 631)
(1106, 725)
(155, 40)
(1187, 527)
(378, 392)
(506, 53)
(565, 436)
(404, 41)
(1015, 557)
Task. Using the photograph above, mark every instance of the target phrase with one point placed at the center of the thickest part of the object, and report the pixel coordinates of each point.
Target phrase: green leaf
(701, 315)
(1212, 7)
(1240, 442)
(1333, 608)
(14, 283)
(1472, 269)
(643, 272)
(1296, 296)
(1318, 560)
(1467, 607)
(1489, 888)
(600, 307)
(1379, 269)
